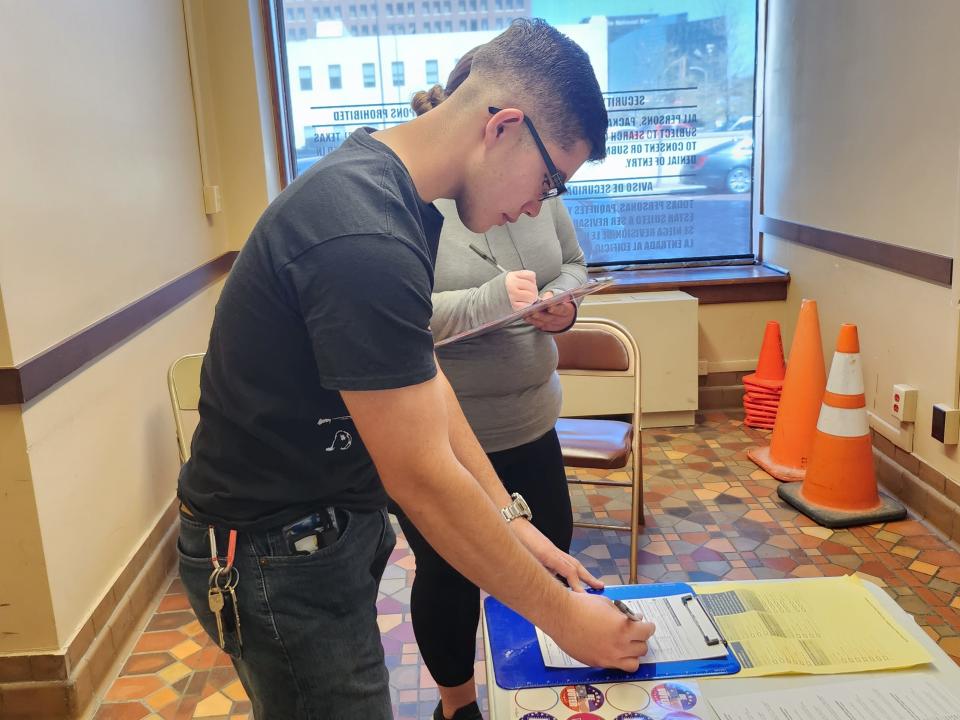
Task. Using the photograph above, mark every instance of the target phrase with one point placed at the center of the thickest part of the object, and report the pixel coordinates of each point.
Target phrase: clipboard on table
(518, 662)
(573, 294)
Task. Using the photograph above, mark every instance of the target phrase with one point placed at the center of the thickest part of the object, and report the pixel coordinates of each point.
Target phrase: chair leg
(636, 514)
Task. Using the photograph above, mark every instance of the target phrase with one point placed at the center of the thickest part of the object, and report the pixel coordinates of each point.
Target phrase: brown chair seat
(604, 444)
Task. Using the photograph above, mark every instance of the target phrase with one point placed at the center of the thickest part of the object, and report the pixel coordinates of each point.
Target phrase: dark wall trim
(30, 378)
(937, 269)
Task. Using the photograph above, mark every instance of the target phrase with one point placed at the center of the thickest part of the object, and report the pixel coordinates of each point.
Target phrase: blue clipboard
(517, 662)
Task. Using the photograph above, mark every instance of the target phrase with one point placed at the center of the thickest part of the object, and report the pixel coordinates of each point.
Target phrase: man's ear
(498, 123)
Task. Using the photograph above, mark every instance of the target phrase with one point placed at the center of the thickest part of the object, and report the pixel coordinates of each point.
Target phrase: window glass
(678, 79)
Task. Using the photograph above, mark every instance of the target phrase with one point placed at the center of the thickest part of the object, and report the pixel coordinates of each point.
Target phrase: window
(400, 9)
(306, 77)
(365, 30)
(369, 75)
(679, 87)
(316, 13)
(463, 25)
(290, 14)
(353, 11)
(433, 72)
(337, 13)
(326, 12)
(301, 14)
(412, 28)
(463, 5)
(335, 80)
(302, 33)
(363, 11)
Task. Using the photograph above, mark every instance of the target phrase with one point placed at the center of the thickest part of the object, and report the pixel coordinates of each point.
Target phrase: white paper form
(898, 696)
(682, 633)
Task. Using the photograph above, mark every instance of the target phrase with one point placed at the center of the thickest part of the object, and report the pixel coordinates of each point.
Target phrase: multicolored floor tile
(711, 514)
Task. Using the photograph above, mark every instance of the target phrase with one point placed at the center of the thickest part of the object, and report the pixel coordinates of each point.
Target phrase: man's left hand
(552, 557)
(556, 318)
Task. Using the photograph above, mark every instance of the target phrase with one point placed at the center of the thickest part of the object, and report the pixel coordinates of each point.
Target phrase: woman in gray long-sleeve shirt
(508, 386)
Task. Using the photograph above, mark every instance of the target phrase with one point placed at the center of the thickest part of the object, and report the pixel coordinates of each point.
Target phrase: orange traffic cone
(770, 367)
(840, 488)
(763, 387)
(786, 456)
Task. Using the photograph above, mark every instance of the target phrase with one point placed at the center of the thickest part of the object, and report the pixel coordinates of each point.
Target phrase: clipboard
(518, 664)
(576, 293)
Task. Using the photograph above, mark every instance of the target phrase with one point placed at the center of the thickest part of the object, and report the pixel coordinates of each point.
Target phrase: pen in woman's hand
(622, 607)
(486, 257)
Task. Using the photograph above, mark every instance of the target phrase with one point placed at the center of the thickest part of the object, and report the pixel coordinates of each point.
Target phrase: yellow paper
(818, 626)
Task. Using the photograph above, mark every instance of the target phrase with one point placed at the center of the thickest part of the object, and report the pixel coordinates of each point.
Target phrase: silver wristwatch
(517, 509)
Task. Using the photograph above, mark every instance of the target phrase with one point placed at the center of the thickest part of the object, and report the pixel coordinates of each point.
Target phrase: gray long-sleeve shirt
(506, 380)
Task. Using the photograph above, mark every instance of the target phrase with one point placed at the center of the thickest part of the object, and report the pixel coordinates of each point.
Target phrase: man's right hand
(596, 633)
(521, 288)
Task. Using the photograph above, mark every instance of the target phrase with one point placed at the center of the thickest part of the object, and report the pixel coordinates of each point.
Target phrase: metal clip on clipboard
(711, 640)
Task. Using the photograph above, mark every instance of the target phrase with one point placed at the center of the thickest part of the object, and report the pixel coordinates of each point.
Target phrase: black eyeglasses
(553, 178)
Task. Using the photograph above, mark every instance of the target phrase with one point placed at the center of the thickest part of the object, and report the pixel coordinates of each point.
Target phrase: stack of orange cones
(763, 387)
(787, 455)
(840, 487)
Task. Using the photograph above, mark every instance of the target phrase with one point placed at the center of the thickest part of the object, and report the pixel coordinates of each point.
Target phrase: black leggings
(445, 605)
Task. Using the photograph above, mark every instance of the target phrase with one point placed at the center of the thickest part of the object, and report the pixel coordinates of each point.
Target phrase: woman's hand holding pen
(521, 288)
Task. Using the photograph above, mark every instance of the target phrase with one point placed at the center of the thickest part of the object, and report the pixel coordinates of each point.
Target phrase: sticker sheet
(653, 700)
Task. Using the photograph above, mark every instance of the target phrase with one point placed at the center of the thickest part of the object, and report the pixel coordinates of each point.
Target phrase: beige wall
(102, 199)
(862, 136)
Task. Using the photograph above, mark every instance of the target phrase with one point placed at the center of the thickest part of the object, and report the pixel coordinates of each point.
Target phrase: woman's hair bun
(427, 99)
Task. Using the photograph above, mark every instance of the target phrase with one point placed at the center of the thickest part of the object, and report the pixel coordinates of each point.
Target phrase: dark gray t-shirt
(331, 292)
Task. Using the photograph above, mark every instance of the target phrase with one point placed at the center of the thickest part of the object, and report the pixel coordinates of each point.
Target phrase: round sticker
(633, 716)
(585, 716)
(536, 698)
(581, 697)
(681, 716)
(538, 716)
(674, 696)
(628, 696)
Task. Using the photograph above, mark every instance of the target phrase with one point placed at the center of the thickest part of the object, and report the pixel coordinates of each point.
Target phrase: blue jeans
(310, 641)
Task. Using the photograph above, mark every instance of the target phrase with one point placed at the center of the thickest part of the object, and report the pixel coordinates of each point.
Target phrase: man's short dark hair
(539, 66)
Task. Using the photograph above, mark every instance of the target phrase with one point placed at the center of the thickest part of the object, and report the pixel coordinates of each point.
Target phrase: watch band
(517, 509)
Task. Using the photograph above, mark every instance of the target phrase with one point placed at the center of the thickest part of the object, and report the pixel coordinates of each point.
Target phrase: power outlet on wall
(903, 403)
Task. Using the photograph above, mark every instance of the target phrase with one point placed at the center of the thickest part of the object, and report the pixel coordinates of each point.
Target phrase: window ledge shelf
(759, 282)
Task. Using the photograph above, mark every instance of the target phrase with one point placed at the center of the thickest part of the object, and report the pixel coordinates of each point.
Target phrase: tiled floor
(711, 514)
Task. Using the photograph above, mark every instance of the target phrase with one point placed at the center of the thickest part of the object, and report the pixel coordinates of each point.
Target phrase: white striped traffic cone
(840, 486)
